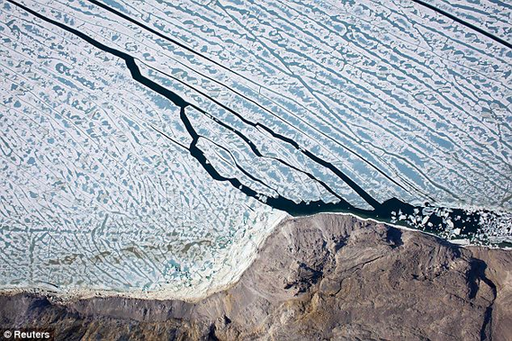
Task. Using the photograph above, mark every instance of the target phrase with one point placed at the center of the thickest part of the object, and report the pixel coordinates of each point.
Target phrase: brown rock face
(316, 278)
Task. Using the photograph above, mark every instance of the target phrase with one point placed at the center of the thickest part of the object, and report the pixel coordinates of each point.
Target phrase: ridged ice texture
(493, 16)
(408, 103)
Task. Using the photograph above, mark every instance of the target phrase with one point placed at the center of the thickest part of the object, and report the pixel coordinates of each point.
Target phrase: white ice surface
(92, 197)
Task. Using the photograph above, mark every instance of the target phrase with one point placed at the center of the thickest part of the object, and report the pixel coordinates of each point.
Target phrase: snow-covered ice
(408, 103)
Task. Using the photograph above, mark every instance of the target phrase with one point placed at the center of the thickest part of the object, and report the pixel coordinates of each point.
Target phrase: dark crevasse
(422, 217)
(200, 55)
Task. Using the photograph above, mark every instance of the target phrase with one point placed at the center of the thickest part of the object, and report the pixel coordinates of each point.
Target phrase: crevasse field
(148, 147)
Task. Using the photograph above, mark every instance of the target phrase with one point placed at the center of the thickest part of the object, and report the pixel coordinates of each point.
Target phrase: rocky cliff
(316, 278)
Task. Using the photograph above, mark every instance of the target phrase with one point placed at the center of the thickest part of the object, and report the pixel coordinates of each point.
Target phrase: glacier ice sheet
(408, 103)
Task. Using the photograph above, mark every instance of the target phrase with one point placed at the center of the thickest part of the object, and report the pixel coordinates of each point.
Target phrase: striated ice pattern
(109, 182)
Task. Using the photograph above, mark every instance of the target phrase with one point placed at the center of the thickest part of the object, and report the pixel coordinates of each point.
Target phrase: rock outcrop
(316, 278)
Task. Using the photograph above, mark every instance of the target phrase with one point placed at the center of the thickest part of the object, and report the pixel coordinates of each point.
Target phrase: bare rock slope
(316, 278)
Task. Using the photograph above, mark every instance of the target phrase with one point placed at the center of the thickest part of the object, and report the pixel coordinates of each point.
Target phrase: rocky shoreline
(320, 277)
